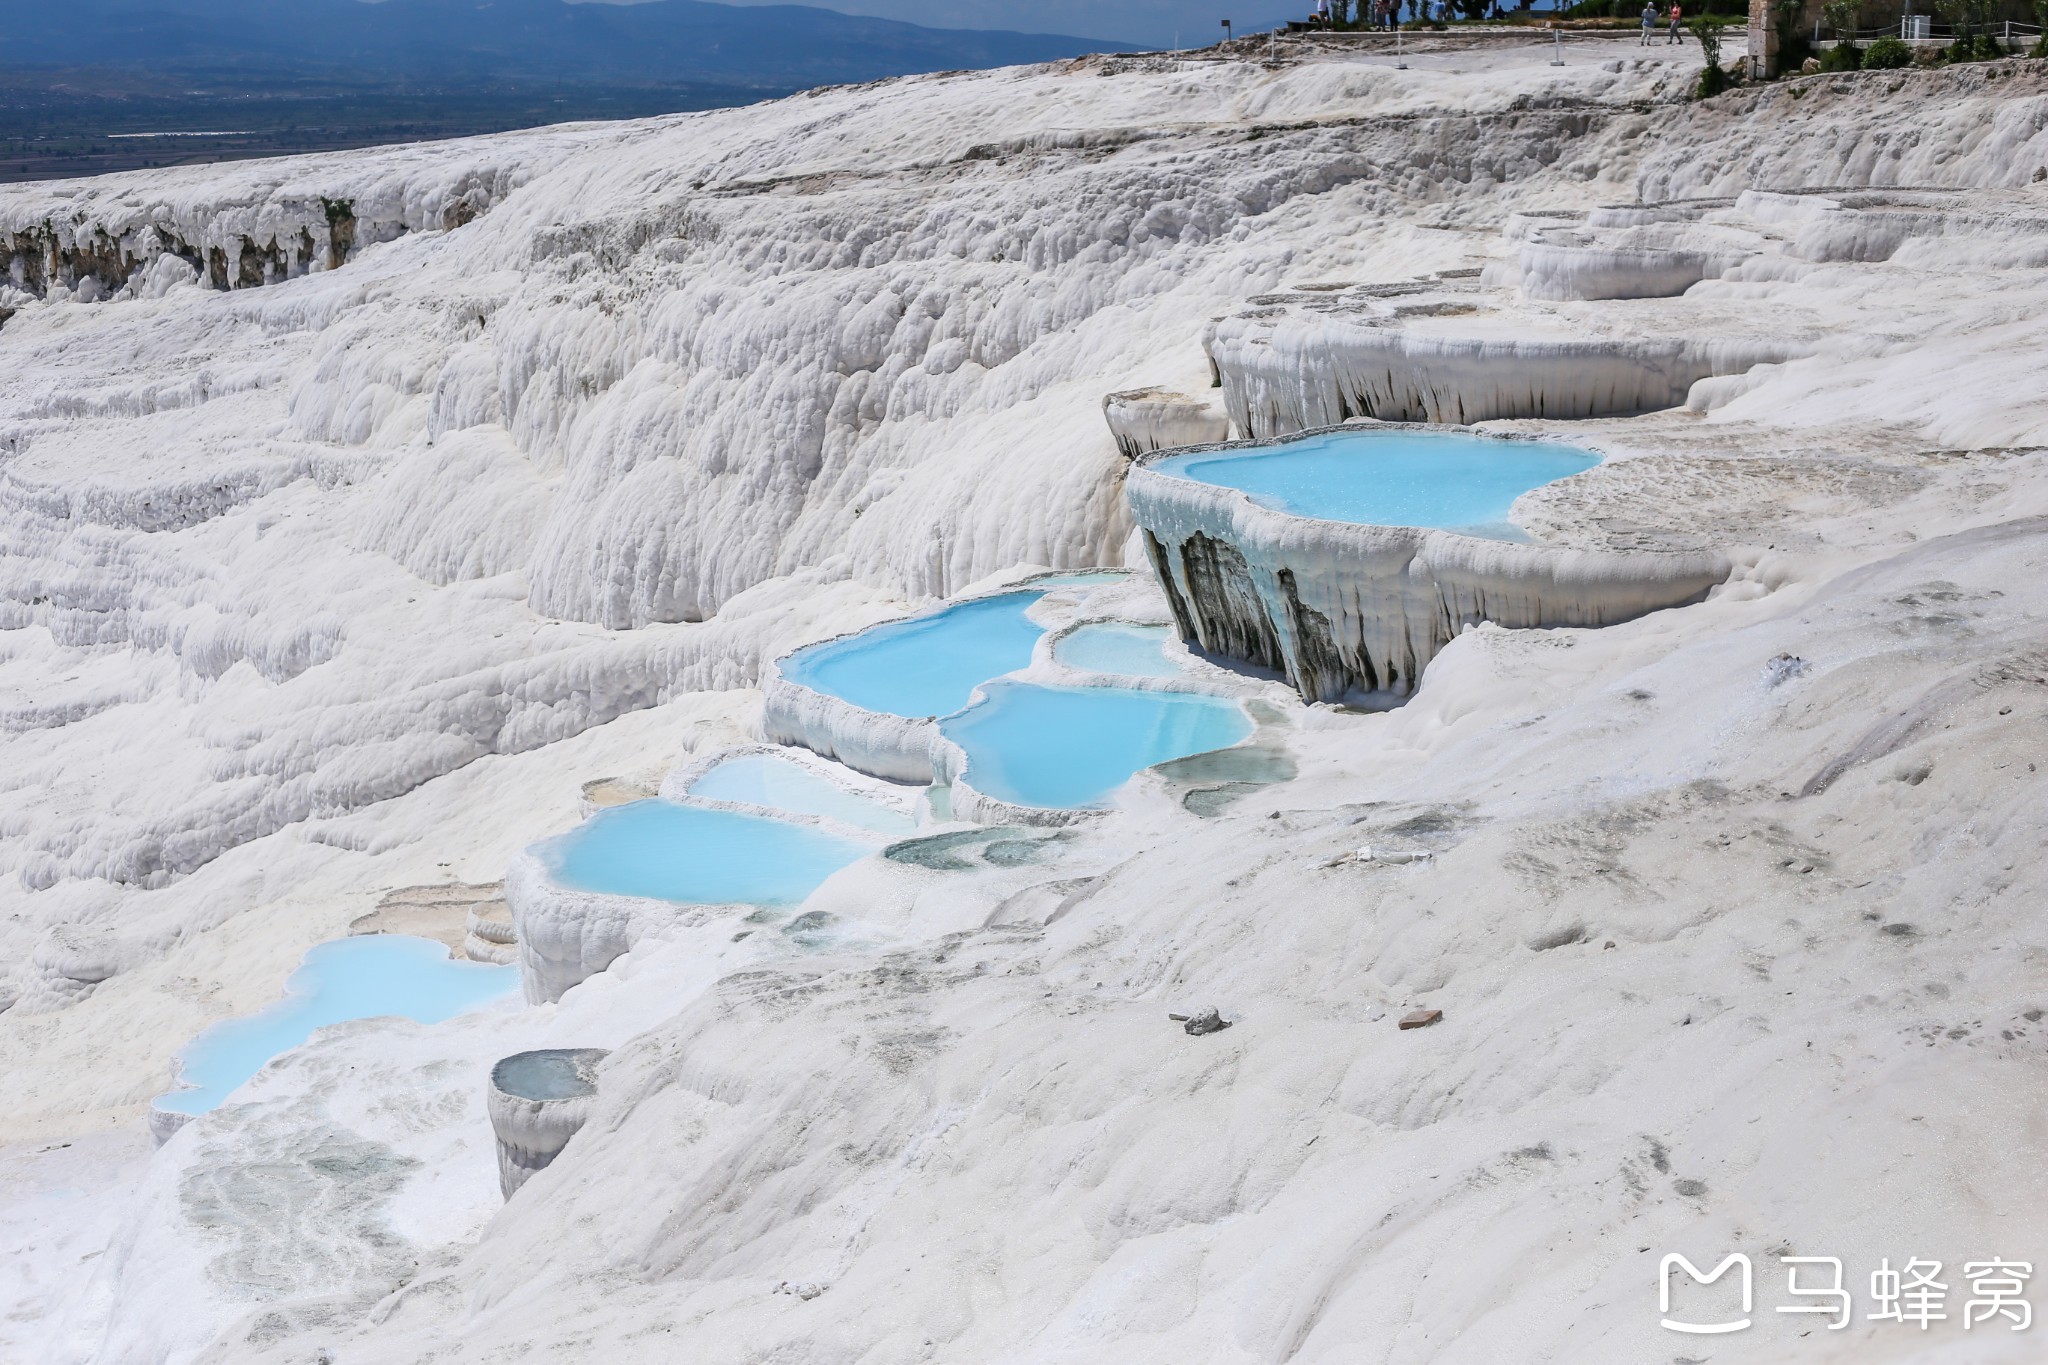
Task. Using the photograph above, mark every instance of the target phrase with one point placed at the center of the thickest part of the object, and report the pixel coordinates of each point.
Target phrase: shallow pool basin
(1113, 647)
(1443, 480)
(926, 666)
(665, 850)
(350, 978)
(779, 784)
(1070, 748)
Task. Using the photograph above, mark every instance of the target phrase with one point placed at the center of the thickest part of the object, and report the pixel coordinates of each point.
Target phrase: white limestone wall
(894, 748)
(240, 224)
(1351, 610)
(1309, 371)
(567, 936)
(1566, 271)
(1159, 419)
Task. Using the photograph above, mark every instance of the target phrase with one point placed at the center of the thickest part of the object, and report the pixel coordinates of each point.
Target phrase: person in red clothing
(1677, 34)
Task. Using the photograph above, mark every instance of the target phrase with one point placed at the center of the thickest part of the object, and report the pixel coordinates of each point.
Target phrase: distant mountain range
(451, 44)
(1153, 23)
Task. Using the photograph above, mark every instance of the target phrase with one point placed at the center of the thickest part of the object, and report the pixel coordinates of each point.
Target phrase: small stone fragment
(1782, 668)
(1208, 1021)
(1395, 855)
(1420, 1018)
(1605, 946)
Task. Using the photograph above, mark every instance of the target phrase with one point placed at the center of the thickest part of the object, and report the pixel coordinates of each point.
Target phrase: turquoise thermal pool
(1108, 647)
(1446, 480)
(668, 851)
(1082, 578)
(349, 978)
(765, 780)
(927, 666)
(1071, 747)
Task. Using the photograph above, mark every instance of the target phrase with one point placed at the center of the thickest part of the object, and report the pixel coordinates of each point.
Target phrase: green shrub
(1981, 47)
(1843, 56)
(1713, 80)
(1887, 54)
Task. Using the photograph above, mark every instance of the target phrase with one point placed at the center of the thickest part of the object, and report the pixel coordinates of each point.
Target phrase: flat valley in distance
(110, 85)
(59, 124)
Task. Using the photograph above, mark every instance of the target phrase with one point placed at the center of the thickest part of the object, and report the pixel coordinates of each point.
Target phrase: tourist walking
(1649, 22)
(1677, 35)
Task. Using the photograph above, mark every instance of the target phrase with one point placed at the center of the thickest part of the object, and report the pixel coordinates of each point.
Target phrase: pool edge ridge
(567, 935)
(874, 743)
(1347, 607)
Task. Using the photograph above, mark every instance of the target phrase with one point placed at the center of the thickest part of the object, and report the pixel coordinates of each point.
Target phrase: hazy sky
(1152, 23)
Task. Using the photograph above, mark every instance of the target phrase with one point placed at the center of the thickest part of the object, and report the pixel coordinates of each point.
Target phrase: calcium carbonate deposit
(1665, 881)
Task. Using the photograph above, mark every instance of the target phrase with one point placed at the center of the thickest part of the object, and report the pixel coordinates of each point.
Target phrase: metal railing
(1922, 29)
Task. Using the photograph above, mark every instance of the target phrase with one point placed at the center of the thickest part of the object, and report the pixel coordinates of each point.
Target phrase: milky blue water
(1071, 747)
(1134, 651)
(349, 978)
(673, 852)
(1440, 479)
(765, 780)
(928, 666)
(1083, 578)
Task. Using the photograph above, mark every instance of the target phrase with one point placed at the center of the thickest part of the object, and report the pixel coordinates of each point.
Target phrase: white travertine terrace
(893, 748)
(235, 226)
(354, 580)
(876, 743)
(1352, 610)
(537, 1101)
(1306, 369)
(562, 936)
(1159, 419)
(487, 938)
(565, 936)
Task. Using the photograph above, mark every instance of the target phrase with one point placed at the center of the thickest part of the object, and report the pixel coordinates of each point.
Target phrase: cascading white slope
(858, 336)
(346, 582)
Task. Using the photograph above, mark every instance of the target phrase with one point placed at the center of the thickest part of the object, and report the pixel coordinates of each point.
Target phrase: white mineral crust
(349, 577)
